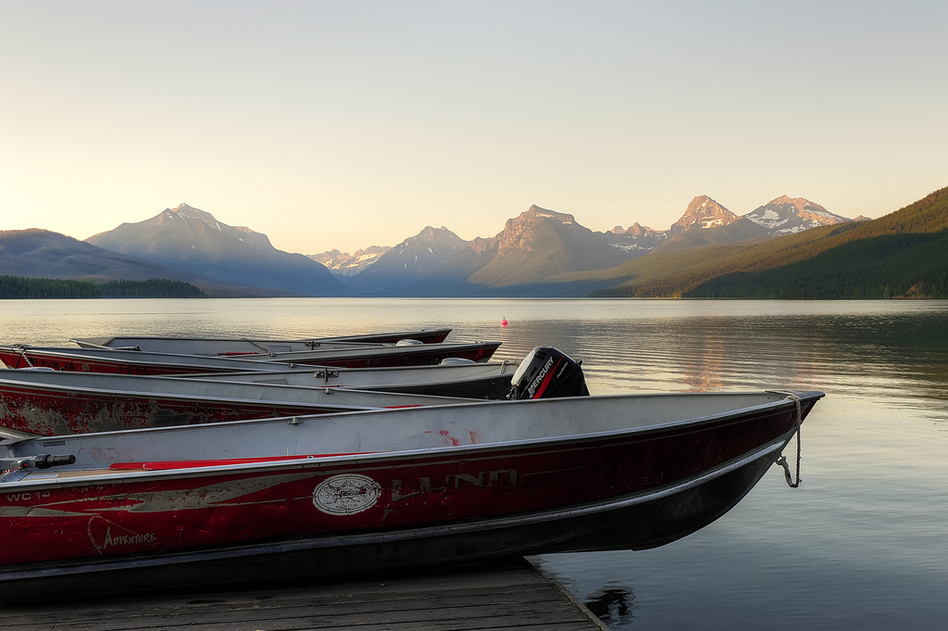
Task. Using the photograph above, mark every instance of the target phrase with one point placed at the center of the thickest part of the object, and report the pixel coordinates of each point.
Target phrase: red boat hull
(320, 499)
(34, 358)
(49, 412)
(120, 363)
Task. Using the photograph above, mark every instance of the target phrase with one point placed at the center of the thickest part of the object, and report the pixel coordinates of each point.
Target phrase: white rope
(793, 481)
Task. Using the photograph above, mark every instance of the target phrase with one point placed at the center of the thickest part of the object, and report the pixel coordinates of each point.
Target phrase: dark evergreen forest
(33, 288)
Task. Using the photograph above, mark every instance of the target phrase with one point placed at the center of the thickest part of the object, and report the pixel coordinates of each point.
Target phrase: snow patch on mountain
(789, 215)
(345, 264)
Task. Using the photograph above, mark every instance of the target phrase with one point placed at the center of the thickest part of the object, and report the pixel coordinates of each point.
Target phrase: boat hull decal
(346, 494)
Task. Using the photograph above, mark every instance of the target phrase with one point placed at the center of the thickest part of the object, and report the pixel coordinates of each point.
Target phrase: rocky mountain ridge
(534, 254)
(703, 213)
(788, 215)
(193, 240)
(782, 215)
(540, 244)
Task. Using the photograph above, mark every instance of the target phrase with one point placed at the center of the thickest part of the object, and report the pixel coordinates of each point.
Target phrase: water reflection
(893, 350)
(613, 604)
(898, 355)
(859, 545)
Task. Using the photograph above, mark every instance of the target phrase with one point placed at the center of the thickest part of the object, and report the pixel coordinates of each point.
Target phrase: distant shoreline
(25, 288)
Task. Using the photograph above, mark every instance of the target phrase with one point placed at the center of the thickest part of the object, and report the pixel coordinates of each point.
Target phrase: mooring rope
(793, 481)
(252, 343)
(22, 349)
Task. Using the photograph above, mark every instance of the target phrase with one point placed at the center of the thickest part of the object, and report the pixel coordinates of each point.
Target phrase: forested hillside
(20, 287)
(909, 265)
(904, 253)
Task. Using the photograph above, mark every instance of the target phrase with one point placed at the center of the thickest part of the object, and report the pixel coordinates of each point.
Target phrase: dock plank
(509, 597)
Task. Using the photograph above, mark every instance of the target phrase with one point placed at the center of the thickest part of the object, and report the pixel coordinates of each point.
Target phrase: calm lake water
(861, 544)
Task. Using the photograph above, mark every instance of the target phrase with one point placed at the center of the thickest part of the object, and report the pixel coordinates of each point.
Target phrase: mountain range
(536, 251)
(541, 252)
(902, 254)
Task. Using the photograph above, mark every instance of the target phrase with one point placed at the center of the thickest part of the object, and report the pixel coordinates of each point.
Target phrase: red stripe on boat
(547, 379)
(191, 464)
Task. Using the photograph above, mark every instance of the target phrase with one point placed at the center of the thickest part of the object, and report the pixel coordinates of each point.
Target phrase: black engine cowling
(547, 373)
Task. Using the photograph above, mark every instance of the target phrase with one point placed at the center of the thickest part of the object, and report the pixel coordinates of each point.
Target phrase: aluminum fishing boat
(460, 378)
(47, 402)
(377, 490)
(42, 401)
(241, 346)
(147, 363)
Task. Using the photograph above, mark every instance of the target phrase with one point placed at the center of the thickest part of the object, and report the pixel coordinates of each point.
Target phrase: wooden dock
(511, 597)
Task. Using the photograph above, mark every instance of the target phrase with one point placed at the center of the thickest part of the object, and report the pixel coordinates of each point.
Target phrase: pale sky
(346, 124)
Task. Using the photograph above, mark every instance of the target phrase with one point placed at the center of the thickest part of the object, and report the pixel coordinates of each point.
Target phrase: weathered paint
(193, 508)
(52, 413)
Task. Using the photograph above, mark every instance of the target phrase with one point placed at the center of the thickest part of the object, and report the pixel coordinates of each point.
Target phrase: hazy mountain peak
(409, 262)
(190, 212)
(535, 212)
(194, 222)
(345, 264)
(431, 231)
(635, 240)
(437, 243)
(786, 199)
(520, 232)
(800, 203)
(635, 230)
(36, 253)
(703, 212)
(193, 240)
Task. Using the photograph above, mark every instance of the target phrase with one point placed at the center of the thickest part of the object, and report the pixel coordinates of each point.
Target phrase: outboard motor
(546, 373)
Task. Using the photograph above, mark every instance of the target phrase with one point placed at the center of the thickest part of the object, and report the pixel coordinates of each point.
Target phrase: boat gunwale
(500, 364)
(127, 357)
(289, 356)
(451, 452)
(201, 398)
(189, 361)
(253, 340)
